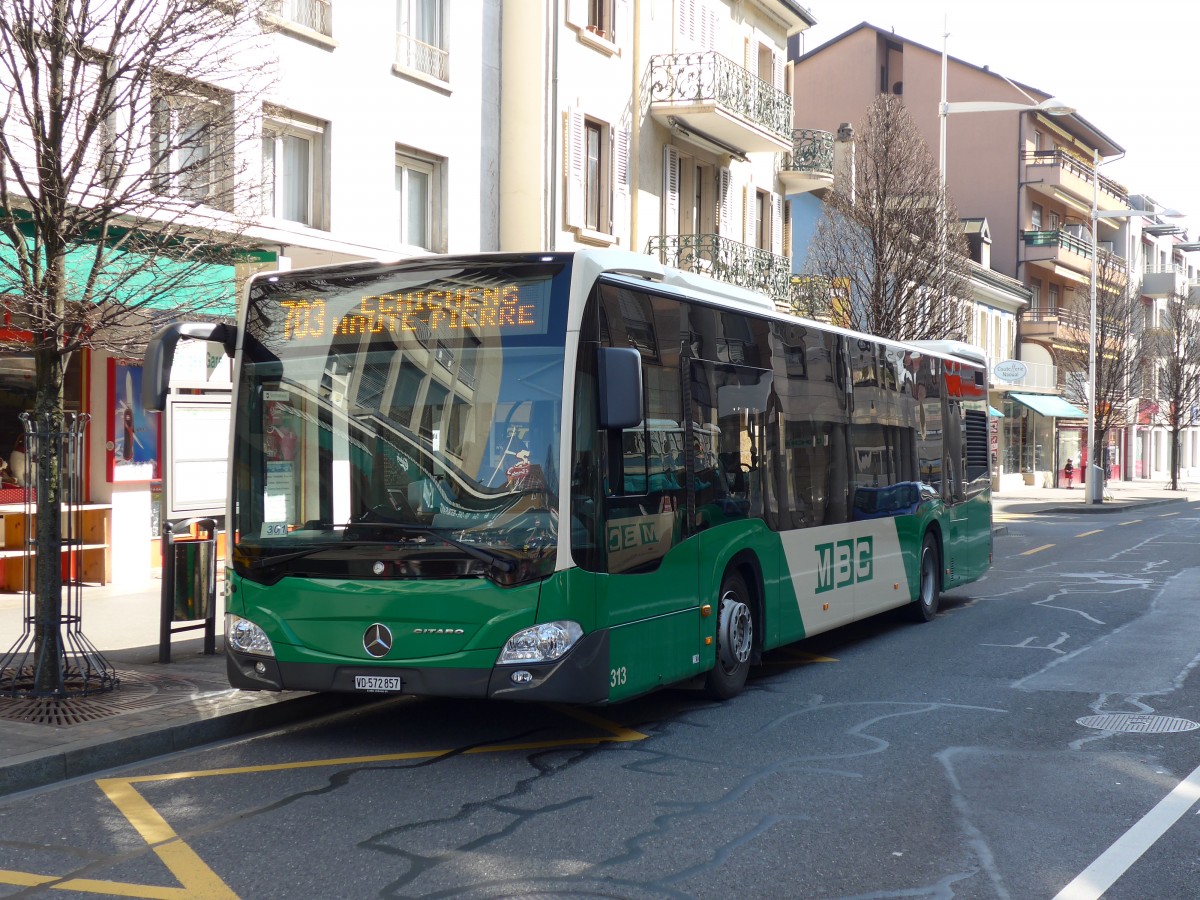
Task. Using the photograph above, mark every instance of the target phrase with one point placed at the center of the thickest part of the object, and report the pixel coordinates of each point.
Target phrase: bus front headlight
(246, 637)
(541, 643)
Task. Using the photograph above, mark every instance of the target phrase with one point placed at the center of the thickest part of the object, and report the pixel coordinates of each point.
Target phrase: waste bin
(189, 582)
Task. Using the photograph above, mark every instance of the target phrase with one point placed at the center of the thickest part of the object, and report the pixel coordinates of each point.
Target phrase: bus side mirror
(160, 353)
(620, 376)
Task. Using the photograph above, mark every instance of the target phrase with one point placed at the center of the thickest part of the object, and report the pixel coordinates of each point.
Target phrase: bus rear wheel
(925, 607)
(735, 640)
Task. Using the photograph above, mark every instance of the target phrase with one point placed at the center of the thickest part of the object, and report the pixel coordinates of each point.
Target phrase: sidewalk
(161, 708)
(158, 708)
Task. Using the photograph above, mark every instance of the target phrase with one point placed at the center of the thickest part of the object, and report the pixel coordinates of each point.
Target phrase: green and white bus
(573, 477)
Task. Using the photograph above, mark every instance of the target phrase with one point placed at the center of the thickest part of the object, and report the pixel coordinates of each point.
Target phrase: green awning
(1049, 405)
(155, 281)
(992, 411)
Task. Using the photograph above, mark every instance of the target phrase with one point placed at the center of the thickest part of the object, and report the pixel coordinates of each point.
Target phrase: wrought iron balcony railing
(812, 152)
(421, 57)
(725, 260)
(711, 77)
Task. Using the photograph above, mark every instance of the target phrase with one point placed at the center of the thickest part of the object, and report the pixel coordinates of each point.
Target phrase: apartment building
(1037, 197)
(661, 127)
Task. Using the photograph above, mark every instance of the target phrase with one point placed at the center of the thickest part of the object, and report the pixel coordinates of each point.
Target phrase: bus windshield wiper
(496, 560)
(264, 561)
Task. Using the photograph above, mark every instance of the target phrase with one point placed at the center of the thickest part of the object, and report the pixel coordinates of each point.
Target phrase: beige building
(1031, 174)
(661, 127)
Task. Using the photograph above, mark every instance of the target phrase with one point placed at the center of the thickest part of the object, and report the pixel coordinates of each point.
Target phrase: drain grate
(137, 691)
(1138, 724)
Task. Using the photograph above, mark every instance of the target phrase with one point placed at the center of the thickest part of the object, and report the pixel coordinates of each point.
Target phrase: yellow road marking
(1089, 533)
(197, 880)
(1037, 549)
(1133, 522)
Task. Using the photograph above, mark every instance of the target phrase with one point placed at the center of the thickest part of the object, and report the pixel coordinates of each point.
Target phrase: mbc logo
(843, 563)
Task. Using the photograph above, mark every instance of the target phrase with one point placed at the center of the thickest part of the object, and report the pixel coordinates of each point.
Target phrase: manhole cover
(1137, 724)
(136, 691)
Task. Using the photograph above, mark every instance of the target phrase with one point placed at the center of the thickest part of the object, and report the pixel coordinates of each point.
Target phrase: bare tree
(121, 151)
(1171, 363)
(1116, 341)
(889, 239)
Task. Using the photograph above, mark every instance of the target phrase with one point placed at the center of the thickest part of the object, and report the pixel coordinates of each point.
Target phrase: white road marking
(1114, 862)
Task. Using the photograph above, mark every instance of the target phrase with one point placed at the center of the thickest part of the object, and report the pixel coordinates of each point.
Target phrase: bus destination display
(507, 308)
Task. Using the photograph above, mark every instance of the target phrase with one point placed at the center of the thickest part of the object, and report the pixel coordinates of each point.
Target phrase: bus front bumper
(581, 676)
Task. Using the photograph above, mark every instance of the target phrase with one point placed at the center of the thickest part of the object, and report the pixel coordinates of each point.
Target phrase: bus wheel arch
(738, 628)
(929, 579)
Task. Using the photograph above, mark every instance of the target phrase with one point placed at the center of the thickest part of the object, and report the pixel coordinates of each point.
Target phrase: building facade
(663, 128)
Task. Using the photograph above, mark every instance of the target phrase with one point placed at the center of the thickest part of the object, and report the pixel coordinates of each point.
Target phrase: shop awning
(155, 280)
(995, 413)
(1049, 405)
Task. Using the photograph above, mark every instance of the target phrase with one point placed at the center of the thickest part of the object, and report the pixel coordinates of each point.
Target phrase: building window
(311, 14)
(421, 38)
(292, 182)
(597, 174)
(600, 18)
(1035, 219)
(191, 128)
(593, 205)
(418, 187)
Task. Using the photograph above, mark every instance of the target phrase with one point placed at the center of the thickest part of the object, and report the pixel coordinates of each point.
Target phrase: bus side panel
(753, 540)
(652, 616)
(969, 544)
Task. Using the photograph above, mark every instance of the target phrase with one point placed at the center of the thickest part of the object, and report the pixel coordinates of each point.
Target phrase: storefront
(1040, 433)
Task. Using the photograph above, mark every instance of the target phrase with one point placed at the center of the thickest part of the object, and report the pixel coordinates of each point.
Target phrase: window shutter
(574, 166)
(749, 235)
(685, 20)
(670, 190)
(708, 27)
(620, 24)
(577, 13)
(620, 180)
(404, 17)
(777, 224)
(725, 187)
(778, 62)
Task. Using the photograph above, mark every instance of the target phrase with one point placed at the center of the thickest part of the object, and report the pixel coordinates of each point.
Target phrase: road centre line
(1114, 862)
(1037, 550)
(1133, 522)
(1089, 533)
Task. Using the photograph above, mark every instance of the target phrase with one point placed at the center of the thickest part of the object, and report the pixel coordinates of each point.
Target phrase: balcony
(417, 56)
(715, 100)
(1057, 173)
(725, 260)
(1164, 281)
(809, 165)
(1067, 253)
(1062, 324)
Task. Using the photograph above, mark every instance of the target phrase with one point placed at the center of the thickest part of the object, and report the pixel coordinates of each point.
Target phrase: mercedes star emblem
(377, 640)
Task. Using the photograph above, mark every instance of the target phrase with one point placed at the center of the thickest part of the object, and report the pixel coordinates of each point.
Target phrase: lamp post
(1094, 487)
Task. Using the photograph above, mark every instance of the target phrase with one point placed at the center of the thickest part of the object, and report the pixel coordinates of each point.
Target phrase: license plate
(376, 683)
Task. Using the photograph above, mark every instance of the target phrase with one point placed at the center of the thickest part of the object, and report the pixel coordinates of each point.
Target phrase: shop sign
(1012, 371)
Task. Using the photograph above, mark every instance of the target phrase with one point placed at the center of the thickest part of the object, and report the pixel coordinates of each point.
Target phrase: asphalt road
(1033, 741)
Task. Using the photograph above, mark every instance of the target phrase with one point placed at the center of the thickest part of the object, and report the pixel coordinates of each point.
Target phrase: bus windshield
(401, 421)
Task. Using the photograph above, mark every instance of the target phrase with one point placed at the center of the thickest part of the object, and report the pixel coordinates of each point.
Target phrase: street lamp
(1094, 490)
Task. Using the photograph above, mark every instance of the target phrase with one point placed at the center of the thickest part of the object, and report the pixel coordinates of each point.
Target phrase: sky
(1129, 69)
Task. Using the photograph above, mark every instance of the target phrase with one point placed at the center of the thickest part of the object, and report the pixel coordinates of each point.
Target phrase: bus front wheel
(925, 607)
(735, 640)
